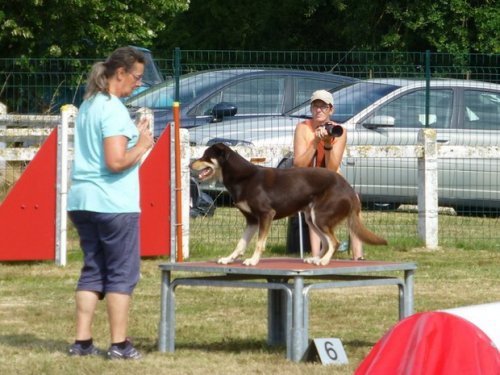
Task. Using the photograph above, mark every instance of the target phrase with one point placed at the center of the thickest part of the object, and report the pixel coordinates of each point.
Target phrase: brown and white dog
(266, 194)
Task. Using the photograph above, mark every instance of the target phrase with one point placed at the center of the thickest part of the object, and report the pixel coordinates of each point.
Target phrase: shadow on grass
(23, 263)
(247, 345)
(358, 343)
(232, 345)
(31, 342)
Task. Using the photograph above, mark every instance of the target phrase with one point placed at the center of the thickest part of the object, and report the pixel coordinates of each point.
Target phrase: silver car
(390, 112)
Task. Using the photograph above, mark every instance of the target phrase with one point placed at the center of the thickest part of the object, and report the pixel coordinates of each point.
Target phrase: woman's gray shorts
(110, 244)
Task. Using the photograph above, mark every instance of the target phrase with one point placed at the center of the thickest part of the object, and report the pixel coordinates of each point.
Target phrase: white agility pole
(68, 115)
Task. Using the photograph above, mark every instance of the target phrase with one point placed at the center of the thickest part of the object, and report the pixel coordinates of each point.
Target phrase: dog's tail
(357, 227)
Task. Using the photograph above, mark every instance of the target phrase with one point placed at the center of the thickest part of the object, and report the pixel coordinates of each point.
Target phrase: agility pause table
(289, 282)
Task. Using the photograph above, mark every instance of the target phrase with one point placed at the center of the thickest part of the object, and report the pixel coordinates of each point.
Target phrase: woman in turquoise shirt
(103, 201)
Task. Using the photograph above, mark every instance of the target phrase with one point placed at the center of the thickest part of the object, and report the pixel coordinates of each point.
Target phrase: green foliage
(92, 28)
(459, 26)
(455, 26)
(81, 28)
(488, 23)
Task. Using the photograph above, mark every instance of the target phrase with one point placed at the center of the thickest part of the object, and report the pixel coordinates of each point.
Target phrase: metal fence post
(427, 86)
(428, 188)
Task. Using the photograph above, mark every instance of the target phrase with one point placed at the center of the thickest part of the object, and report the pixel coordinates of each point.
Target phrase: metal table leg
(409, 293)
(298, 348)
(276, 317)
(166, 337)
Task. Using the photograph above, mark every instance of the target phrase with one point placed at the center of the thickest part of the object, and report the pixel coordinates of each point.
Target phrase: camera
(333, 130)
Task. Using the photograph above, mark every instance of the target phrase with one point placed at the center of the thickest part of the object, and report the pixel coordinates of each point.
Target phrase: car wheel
(285, 163)
(378, 206)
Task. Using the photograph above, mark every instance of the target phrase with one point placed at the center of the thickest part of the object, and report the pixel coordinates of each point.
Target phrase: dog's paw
(312, 260)
(251, 262)
(226, 260)
(323, 262)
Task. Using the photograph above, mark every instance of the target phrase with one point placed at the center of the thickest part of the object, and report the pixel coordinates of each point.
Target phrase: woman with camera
(319, 142)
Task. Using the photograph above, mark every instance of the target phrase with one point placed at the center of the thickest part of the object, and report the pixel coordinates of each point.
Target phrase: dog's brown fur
(266, 194)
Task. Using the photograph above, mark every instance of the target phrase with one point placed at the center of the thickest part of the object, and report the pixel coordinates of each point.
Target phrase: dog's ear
(222, 150)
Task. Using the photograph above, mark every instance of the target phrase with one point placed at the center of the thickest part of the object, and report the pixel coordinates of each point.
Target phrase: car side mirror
(223, 109)
(379, 122)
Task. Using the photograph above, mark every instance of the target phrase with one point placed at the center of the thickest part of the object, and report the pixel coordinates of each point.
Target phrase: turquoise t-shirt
(93, 186)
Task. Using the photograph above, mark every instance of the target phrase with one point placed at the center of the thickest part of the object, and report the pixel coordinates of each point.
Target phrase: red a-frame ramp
(28, 212)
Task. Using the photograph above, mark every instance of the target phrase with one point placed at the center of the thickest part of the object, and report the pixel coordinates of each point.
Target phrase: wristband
(327, 148)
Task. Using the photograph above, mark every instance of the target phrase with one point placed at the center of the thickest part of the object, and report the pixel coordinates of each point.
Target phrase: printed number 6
(330, 351)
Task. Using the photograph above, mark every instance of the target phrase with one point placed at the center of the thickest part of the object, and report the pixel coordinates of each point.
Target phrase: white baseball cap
(322, 95)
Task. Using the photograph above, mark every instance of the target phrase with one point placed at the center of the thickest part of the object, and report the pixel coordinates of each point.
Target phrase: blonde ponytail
(97, 80)
(123, 57)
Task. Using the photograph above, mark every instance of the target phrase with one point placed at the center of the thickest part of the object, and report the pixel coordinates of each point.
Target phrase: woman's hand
(321, 134)
(145, 140)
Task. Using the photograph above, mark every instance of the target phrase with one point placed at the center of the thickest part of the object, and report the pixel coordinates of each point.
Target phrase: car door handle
(442, 140)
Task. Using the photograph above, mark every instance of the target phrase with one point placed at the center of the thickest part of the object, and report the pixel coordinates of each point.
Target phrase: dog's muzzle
(205, 170)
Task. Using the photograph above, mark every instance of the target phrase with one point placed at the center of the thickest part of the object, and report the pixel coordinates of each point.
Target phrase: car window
(349, 100)
(408, 110)
(481, 110)
(303, 88)
(353, 99)
(253, 96)
(191, 86)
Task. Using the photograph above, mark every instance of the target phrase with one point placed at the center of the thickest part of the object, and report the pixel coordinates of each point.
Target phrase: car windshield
(191, 86)
(350, 100)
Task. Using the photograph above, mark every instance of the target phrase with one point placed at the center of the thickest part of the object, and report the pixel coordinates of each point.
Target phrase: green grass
(223, 331)
(222, 231)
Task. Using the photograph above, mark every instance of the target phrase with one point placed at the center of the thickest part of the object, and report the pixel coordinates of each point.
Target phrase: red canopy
(433, 343)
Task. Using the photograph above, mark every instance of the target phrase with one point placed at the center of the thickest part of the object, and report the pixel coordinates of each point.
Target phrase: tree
(249, 25)
(92, 28)
(455, 26)
(81, 28)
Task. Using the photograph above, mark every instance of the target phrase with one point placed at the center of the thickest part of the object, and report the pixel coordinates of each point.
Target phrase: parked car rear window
(191, 86)
(482, 110)
(349, 100)
(353, 99)
(408, 110)
(252, 96)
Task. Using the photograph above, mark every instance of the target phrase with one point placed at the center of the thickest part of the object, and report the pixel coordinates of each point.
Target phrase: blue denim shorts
(110, 244)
